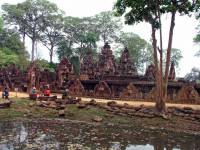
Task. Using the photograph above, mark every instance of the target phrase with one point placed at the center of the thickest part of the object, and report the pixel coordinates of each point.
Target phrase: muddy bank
(26, 109)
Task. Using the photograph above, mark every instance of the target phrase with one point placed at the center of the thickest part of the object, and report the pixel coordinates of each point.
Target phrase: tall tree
(52, 34)
(81, 33)
(151, 12)
(29, 17)
(65, 49)
(107, 26)
(16, 17)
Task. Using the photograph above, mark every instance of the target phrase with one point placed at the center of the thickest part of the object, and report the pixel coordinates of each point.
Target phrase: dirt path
(138, 103)
(134, 103)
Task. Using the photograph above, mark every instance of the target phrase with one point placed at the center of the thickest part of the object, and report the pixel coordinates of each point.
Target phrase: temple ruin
(103, 78)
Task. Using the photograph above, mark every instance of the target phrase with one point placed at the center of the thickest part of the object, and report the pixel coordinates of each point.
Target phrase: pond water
(66, 135)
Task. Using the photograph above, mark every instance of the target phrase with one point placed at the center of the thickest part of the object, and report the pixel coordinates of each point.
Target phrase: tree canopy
(140, 50)
(12, 49)
(30, 18)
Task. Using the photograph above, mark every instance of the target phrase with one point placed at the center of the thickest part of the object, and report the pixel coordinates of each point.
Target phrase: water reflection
(56, 135)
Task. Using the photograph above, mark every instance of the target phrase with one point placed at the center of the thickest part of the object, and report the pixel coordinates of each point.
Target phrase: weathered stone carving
(150, 73)
(102, 90)
(188, 93)
(76, 88)
(126, 66)
(131, 92)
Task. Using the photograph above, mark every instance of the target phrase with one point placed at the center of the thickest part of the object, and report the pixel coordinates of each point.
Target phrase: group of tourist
(34, 92)
(46, 91)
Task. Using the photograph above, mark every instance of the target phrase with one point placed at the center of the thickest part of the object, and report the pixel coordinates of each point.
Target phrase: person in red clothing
(47, 91)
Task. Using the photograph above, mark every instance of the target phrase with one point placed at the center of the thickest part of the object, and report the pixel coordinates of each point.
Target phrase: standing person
(5, 93)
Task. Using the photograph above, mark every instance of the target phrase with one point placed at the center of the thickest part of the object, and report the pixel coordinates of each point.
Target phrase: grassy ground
(23, 108)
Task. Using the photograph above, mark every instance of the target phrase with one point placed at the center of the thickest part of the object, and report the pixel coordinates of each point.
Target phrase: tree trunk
(104, 39)
(33, 50)
(168, 55)
(51, 54)
(161, 60)
(24, 38)
(160, 103)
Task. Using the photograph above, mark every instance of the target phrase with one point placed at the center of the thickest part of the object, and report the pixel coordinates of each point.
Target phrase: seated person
(47, 92)
(65, 93)
(34, 91)
(5, 93)
(33, 94)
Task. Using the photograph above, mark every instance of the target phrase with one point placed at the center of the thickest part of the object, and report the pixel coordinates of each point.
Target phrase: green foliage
(176, 56)
(140, 50)
(80, 37)
(44, 64)
(64, 49)
(1, 24)
(8, 57)
(30, 18)
(107, 26)
(137, 11)
(12, 49)
(11, 40)
(76, 64)
(52, 34)
(194, 75)
(197, 39)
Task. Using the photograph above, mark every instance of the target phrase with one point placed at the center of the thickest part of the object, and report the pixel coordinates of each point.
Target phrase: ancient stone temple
(106, 63)
(87, 66)
(64, 69)
(126, 66)
(172, 73)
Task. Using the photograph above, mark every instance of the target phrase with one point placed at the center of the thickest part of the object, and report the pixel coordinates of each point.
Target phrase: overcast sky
(184, 31)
